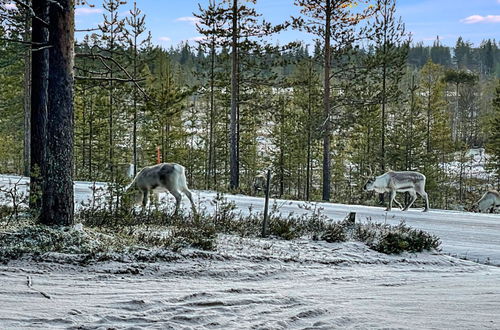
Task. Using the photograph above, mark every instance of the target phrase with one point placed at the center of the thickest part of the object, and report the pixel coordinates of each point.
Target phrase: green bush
(395, 239)
(39, 239)
(335, 232)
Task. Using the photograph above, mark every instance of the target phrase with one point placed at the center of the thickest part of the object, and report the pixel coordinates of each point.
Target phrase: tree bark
(27, 96)
(233, 140)
(326, 104)
(211, 152)
(39, 85)
(57, 197)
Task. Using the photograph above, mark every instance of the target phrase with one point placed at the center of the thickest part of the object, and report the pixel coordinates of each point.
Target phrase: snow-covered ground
(255, 284)
(250, 283)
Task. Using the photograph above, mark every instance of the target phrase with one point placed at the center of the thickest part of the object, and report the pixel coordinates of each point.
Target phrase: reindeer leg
(426, 197)
(397, 203)
(178, 198)
(190, 197)
(413, 198)
(144, 198)
(393, 195)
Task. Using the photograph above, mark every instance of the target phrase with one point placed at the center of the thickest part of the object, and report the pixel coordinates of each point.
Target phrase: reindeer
(169, 177)
(489, 201)
(404, 181)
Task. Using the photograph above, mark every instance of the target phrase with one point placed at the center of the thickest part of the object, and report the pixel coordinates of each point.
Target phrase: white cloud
(481, 19)
(190, 19)
(165, 39)
(88, 11)
(198, 38)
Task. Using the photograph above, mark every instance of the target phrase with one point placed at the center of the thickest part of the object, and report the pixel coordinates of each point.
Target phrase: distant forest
(233, 105)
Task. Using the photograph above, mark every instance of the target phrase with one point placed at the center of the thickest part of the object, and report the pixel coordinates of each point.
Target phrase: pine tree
(334, 23)
(136, 21)
(57, 191)
(390, 54)
(211, 25)
(113, 35)
(39, 92)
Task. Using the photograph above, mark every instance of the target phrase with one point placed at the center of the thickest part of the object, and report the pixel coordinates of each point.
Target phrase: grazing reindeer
(169, 177)
(489, 201)
(392, 182)
(259, 183)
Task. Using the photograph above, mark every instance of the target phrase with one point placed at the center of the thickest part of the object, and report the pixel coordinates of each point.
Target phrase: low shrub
(395, 239)
(39, 239)
(335, 232)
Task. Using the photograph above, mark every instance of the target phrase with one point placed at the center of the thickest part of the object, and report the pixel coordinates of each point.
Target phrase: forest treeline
(235, 104)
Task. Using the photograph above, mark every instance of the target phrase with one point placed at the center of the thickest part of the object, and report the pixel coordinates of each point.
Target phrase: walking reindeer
(403, 181)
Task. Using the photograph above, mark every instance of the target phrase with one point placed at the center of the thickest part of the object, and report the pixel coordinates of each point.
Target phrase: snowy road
(463, 234)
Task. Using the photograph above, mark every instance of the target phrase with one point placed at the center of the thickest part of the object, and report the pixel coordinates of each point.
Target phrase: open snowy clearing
(268, 283)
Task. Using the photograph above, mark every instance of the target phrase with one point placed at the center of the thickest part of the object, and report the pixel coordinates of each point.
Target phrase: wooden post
(266, 204)
(158, 155)
(351, 218)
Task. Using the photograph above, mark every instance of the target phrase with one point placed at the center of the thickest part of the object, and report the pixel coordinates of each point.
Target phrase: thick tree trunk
(57, 197)
(326, 104)
(39, 85)
(212, 172)
(234, 168)
(27, 96)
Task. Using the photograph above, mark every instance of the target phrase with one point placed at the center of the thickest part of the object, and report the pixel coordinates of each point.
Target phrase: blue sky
(171, 21)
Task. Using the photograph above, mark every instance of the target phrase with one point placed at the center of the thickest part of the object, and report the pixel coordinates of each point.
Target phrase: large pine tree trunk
(212, 172)
(39, 85)
(233, 152)
(27, 95)
(326, 104)
(57, 197)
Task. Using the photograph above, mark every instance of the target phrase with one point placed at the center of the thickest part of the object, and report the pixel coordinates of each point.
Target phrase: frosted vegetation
(109, 230)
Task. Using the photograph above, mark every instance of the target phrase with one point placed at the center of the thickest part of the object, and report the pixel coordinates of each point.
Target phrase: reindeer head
(474, 208)
(370, 180)
(132, 196)
(369, 184)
